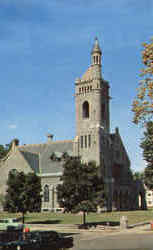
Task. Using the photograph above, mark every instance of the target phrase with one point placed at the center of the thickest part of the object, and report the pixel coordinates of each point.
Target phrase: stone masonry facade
(93, 142)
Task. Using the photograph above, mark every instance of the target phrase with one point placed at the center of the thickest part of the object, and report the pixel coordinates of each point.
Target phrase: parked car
(10, 223)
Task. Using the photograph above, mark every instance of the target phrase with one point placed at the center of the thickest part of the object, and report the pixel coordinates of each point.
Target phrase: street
(118, 241)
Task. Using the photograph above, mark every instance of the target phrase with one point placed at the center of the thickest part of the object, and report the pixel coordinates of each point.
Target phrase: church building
(93, 141)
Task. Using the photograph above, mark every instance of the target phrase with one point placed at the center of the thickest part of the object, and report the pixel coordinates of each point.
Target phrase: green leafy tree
(4, 150)
(147, 146)
(81, 189)
(138, 175)
(33, 189)
(23, 193)
(143, 103)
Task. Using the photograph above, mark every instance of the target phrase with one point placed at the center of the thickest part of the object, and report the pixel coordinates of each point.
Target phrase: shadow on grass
(44, 222)
(103, 223)
(68, 234)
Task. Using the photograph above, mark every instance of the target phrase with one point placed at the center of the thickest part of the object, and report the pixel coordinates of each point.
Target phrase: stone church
(93, 141)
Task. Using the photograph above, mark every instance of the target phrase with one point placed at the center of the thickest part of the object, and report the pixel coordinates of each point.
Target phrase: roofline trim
(43, 144)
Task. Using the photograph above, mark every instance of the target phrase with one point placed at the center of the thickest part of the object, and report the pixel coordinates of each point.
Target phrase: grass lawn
(60, 218)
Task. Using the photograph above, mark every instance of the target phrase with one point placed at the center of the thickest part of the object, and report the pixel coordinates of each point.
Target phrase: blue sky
(45, 45)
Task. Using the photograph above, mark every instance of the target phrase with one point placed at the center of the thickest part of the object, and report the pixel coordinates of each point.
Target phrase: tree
(4, 150)
(143, 103)
(33, 190)
(147, 146)
(138, 175)
(23, 193)
(81, 188)
(2, 200)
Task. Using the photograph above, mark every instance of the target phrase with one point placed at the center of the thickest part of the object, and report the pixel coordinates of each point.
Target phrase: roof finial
(96, 47)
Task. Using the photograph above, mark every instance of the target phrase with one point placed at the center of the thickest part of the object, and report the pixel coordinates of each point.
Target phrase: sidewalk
(70, 228)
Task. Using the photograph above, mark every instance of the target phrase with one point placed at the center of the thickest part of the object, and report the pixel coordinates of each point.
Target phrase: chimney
(50, 137)
(117, 130)
(15, 143)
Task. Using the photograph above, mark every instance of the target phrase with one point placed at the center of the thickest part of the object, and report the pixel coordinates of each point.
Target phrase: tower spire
(96, 47)
(96, 53)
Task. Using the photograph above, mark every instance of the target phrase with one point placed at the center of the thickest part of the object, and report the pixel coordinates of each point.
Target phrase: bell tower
(92, 108)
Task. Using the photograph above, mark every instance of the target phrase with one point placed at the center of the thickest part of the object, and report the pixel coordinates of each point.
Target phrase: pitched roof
(33, 148)
(54, 166)
(39, 159)
(32, 159)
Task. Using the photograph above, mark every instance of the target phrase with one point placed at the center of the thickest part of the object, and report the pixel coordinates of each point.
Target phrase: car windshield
(14, 220)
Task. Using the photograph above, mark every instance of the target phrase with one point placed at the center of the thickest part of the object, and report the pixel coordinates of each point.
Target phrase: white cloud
(12, 126)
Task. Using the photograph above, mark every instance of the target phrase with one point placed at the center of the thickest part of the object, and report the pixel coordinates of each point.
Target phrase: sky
(45, 45)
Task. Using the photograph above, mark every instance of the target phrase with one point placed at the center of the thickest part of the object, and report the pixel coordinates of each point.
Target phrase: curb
(140, 224)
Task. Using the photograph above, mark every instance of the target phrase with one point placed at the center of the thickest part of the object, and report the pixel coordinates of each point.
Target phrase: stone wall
(14, 161)
(51, 182)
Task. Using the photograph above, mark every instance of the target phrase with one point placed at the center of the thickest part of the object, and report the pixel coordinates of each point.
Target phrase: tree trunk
(23, 217)
(84, 217)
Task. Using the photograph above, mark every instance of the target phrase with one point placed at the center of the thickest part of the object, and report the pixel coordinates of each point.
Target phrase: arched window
(85, 109)
(46, 193)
